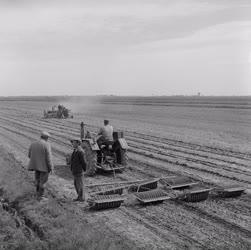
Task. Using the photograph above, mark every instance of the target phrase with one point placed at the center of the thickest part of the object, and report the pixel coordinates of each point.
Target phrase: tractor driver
(105, 134)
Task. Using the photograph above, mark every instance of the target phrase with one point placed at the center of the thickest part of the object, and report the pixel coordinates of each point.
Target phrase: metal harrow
(118, 190)
(105, 201)
(195, 195)
(178, 182)
(153, 184)
(152, 196)
(229, 192)
(147, 192)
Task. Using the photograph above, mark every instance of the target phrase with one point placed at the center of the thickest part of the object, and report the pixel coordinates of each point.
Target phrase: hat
(75, 139)
(45, 134)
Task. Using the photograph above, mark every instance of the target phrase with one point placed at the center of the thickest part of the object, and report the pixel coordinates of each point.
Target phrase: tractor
(110, 157)
(61, 112)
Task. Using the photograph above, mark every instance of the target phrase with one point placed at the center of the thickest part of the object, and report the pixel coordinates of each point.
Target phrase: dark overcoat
(78, 163)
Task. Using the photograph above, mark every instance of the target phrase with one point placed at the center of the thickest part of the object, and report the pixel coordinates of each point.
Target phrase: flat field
(207, 139)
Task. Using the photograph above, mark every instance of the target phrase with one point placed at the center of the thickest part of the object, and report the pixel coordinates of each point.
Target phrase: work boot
(40, 195)
(42, 199)
(79, 199)
(81, 196)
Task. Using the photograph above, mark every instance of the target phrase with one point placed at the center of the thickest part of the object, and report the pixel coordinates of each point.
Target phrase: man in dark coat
(41, 162)
(78, 166)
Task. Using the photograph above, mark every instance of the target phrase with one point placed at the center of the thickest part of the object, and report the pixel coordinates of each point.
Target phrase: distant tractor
(61, 112)
(110, 157)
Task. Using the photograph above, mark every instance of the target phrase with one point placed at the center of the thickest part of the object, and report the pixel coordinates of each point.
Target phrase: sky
(118, 47)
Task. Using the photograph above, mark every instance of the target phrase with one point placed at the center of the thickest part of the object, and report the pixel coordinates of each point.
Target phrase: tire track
(164, 231)
(189, 159)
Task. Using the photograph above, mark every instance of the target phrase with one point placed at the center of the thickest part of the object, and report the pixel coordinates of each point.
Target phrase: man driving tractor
(105, 134)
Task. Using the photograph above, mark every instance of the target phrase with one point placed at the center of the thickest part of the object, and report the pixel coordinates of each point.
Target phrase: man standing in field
(82, 130)
(105, 133)
(84, 134)
(41, 162)
(78, 166)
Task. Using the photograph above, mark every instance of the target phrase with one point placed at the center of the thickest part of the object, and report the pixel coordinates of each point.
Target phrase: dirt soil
(215, 161)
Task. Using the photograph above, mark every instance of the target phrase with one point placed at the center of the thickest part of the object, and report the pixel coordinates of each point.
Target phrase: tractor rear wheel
(123, 157)
(90, 157)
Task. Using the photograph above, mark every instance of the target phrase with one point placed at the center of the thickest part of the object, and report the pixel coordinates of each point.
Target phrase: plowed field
(208, 144)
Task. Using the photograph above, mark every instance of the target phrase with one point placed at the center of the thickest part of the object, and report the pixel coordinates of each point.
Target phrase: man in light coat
(41, 162)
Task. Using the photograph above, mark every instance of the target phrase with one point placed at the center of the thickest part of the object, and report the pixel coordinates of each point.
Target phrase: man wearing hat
(82, 130)
(78, 166)
(105, 133)
(84, 134)
(41, 162)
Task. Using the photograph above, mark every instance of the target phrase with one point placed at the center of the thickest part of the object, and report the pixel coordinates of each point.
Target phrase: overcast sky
(125, 47)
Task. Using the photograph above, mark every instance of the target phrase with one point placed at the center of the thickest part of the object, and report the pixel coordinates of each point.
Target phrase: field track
(212, 224)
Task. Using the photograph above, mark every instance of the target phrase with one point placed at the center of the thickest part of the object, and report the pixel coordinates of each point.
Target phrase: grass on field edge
(28, 224)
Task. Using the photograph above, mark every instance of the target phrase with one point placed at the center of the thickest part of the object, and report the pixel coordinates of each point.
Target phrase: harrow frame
(196, 195)
(178, 182)
(230, 192)
(144, 186)
(118, 190)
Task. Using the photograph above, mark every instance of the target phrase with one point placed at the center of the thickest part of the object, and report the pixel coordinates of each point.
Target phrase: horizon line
(112, 95)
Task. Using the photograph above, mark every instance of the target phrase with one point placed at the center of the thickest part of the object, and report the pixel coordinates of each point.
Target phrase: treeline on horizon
(236, 102)
(119, 97)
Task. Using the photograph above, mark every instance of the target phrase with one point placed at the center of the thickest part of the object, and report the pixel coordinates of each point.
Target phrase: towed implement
(105, 201)
(148, 192)
(144, 186)
(230, 192)
(152, 196)
(196, 194)
(178, 182)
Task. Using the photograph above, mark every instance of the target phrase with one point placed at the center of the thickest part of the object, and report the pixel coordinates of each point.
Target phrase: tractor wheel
(90, 157)
(123, 157)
